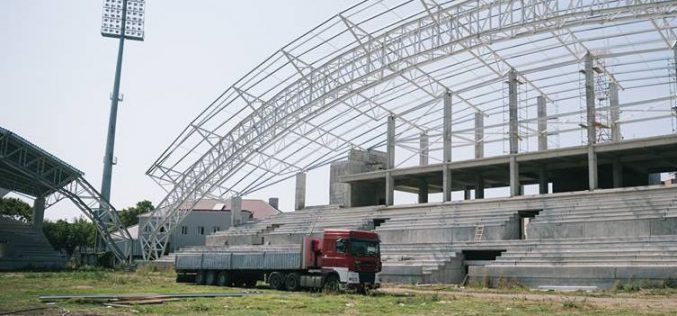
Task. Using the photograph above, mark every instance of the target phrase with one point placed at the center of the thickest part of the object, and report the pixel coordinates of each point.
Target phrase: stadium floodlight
(112, 19)
(121, 19)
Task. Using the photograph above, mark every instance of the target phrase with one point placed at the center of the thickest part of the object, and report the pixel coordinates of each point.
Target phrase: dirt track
(623, 300)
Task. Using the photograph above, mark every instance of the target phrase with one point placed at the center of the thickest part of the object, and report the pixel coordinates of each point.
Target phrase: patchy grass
(21, 290)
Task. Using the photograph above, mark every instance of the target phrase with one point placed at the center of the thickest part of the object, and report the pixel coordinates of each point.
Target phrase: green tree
(16, 209)
(67, 237)
(130, 216)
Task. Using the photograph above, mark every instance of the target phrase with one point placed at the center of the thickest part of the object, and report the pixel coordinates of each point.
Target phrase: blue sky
(56, 76)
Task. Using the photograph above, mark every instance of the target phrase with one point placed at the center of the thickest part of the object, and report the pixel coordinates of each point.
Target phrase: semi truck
(335, 260)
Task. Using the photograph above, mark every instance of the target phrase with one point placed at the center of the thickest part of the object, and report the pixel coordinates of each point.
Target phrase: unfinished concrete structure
(534, 125)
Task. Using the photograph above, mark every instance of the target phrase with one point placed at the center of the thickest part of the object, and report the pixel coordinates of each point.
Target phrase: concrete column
(542, 181)
(274, 202)
(446, 137)
(614, 113)
(446, 184)
(479, 135)
(300, 199)
(390, 189)
(590, 99)
(466, 193)
(592, 134)
(391, 142)
(479, 187)
(592, 168)
(38, 213)
(512, 111)
(236, 210)
(542, 113)
(424, 149)
(423, 191)
(617, 173)
(514, 177)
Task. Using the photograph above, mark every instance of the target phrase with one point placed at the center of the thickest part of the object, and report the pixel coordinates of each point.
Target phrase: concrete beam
(390, 189)
(514, 177)
(446, 138)
(479, 135)
(236, 210)
(542, 113)
(590, 99)
(614, 113)
(391, 142)
(512, 111)
(446, 184)
(424, 150)
(38, 213)
(300, 198)
(423, 191)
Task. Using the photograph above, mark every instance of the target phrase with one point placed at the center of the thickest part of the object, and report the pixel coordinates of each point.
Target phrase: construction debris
(125, 300)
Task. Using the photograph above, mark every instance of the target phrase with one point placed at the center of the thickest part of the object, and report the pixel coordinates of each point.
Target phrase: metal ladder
(479, 232)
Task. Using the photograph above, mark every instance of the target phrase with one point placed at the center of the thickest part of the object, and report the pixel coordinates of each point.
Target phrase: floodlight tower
(121, 19)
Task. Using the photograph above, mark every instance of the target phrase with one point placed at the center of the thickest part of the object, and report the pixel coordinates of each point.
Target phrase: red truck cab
(347, 258)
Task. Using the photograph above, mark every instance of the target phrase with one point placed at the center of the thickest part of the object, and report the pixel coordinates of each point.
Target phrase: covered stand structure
(502, 77)
(27, 169)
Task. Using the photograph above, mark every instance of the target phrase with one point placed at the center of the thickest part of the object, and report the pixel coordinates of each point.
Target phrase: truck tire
(223, 279)
(210, 277)
(200, 277)
(331, 283)
(276, 281)
(292, 282)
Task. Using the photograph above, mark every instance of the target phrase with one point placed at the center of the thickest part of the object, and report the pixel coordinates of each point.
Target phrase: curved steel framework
(333, 89)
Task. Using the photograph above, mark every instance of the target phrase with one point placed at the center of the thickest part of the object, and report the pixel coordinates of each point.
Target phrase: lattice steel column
(542, 113)
(513, 136)
(614, 113)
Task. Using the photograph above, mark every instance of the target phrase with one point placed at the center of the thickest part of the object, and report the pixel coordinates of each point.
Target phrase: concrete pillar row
(515, 188)
(479, 187)
(479, 135)
(446, 184)
(236, 211)
(391, 142)
(424, 149)
(38, 213)
(423, 191)
(390, 189)
(300, 198)
(542, 113)
(591, 121)
(446, 137)
(512, 112)
(614, 113)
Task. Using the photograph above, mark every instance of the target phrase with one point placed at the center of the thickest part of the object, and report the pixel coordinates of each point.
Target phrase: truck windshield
(364, 248)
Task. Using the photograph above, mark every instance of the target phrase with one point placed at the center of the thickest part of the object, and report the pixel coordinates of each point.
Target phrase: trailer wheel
(293, 281)
(223, 279)
(200, 277)
(276, 281)
(331, 283)
(210, 277)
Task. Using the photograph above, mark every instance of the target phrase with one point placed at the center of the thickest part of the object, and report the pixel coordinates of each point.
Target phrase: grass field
(19, 291)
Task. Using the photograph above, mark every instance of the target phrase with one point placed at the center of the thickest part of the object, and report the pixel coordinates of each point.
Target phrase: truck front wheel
(293, 281)
(276, 281)
(331, 283)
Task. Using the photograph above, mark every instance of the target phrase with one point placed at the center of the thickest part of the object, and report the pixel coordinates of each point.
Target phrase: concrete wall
(348, 195)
